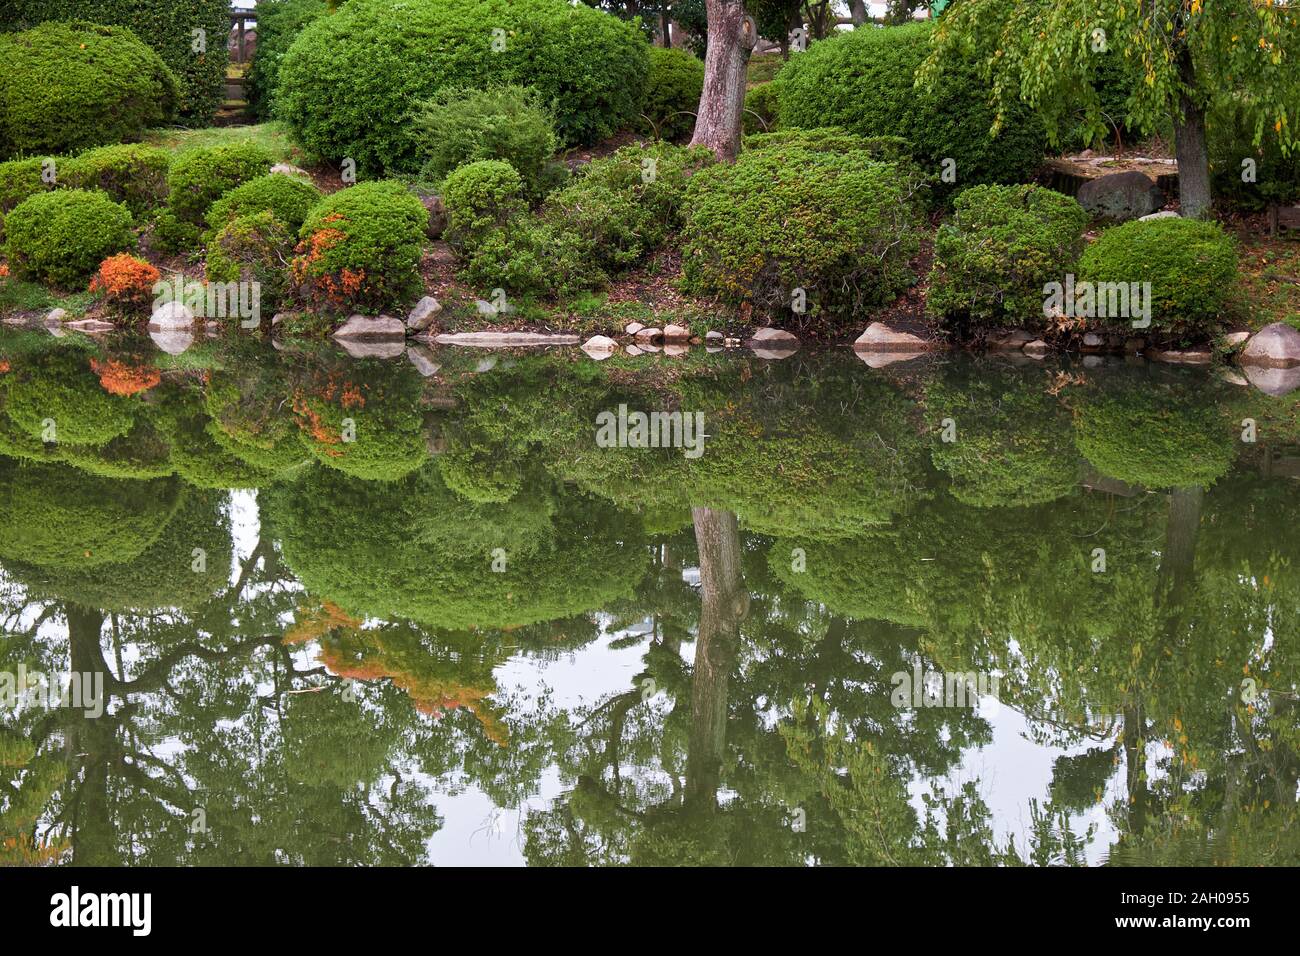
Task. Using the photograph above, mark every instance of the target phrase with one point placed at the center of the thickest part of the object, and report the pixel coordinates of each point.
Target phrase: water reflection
(384, 613)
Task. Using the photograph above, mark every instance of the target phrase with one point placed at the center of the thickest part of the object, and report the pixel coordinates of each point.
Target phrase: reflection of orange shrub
(317, 622)
(118, 378)
(4, 366)
(125, 280)
(4, 270)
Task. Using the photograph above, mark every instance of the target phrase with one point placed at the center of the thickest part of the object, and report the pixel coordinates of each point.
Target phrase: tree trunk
(665, 26)
(723, 604)
(732, 38)
(1190, 149)
(858, 12)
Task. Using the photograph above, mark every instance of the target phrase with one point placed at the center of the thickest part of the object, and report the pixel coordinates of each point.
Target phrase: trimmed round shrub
(841, 226)
(253, 248)
(348, 82)
(1191, 265)
(1003, 245)
(361, 248)
(134, 175)
(69, 86)
(278, 24)
(21, 178)
(863, 80)
(201, 177)
(288, 198)
(61, 237)
(509, 123)
(762, 108)
(481, 197)
(672, 95)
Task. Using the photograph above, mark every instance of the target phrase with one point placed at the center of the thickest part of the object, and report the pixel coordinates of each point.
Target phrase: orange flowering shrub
(119, 378)
(125, 280)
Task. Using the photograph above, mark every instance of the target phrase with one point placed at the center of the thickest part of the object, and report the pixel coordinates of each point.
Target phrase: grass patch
(18, 296)
(273, 136)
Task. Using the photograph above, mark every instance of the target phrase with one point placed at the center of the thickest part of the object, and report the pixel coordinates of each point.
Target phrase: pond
(476, 608)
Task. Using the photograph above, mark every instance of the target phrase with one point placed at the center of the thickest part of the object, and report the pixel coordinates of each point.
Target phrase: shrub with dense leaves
(63, 389)
(253, 248)
(21, 178)
(199, 178)
(1002, 245)
(167, 26)
(762, 108)
(62, 236)
(133, 175)
(288, 198)
(672, 95)
(1191, 265)
(509, 123)
(863, 81)
(481, 197)
(70, 86)
(278, 24)
(841, 226)
(347, 84)
(124, 281)
(361, 248)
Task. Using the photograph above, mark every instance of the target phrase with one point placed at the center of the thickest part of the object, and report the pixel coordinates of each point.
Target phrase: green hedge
(1002, 245)
(70, 86)
(133, 175)
(61, 237)
(672, 96)
(863, 80)
(278, 24)
(166, 26)
(201, 177)
(348, 83)
(287, 197)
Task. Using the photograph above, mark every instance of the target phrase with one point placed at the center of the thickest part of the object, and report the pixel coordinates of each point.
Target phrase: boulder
(1274, 346)
(171, 315)
(1120, 197)
(675, 333)
(600, 347)
(879, 337)
(381, 328)
(422, 316)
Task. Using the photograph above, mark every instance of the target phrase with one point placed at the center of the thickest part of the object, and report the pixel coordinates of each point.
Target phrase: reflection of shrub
(371, 429)
(134, 175)
(1155, 436)
(865, 578)
(672, 95)
(863, 81)
(361, 248)
(840, 226)
(1002, 245)
(288, 198)
(72, 85)
(482, 477)
(65, 391)
(1191, 265)
(349, 80)
(61, 237)
(199, 178)
(54, 516)
(508, 123)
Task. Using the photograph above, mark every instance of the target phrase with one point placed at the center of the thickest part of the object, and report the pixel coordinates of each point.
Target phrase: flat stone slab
(879, 337)
(1176, 357)
(1273, 346)
(506, 340)
(374, 328)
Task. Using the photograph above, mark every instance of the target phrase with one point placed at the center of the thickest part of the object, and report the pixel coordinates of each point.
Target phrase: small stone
(646, 334)
(879, 337)
(731, 343)
(1235, 340)
(288, 169)
(713, 336)
(633, 328)
(1012, 341)
(1091, 340)
(1274, 346)
(1036, 348)
(600, 347)
(381, 328)
(422, 316)
(1162, 214)
(171, 315)
(769, 336)
(57, 315)
(675, 333)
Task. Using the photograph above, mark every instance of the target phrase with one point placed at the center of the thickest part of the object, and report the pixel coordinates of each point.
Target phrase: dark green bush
(21, 178)
(348, 82)
(863, 81)
(361, 248)
(199, 178)
(134, 175)
(841, 226)
(1231, 141)
(508, 123)
(1002, 245)
(288, 198)
(1191, 265)
(255, 247)
(61, 237)
(672, 95)
(834, 139)
(167, 26)
(278, 24)
(762, 108)
(70, 86)
(481, 197)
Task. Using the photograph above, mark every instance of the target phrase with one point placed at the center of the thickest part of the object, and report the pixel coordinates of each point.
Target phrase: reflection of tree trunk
(93, 839)
(1179, 555)
(722, 104)
(723, 604)
(1190, 149)
(1135, 763)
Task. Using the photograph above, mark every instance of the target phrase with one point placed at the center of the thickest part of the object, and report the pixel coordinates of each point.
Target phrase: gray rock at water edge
(1091, 340)
(423, 360)
(632, 328)
(879, 337)
(171, 315)
(1274, 381)
(1234, 340)
(647, 334)
(373, 328)
(422, 316)
(1120, 197)
(712, 336)
(1036, 349)
(600, 347)
(1274, 346)
(57, 315)
(505, 340)
(676, 333)
(774, 338)
(1012, 341)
